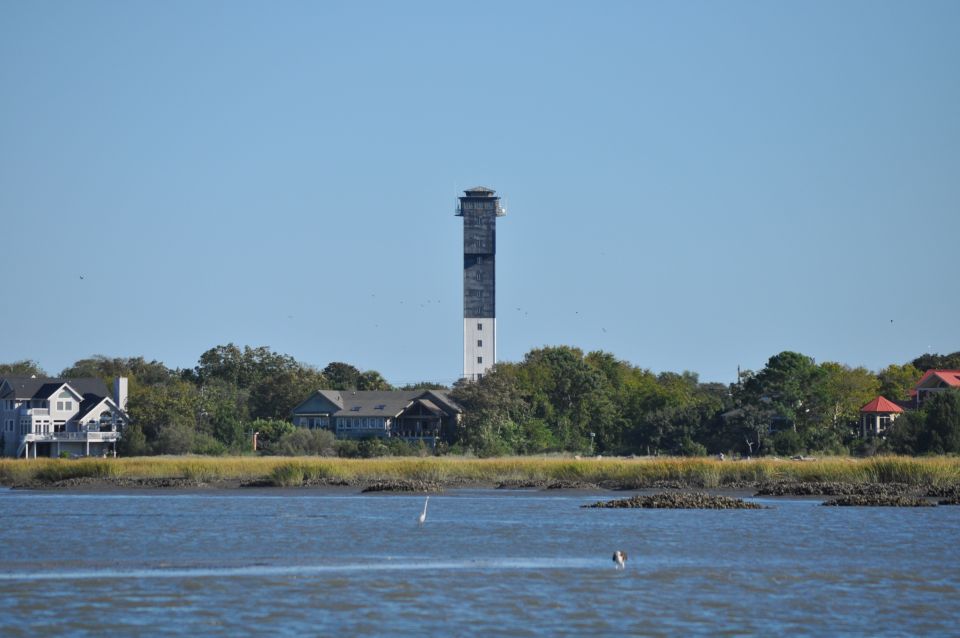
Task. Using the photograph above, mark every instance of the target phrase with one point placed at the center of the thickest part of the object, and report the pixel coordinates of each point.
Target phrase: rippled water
(485, 563)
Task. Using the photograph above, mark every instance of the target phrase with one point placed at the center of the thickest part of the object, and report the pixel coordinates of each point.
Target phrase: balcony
(34, 412)
(92, 437)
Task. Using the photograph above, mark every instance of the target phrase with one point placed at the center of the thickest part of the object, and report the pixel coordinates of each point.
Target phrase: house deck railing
(43, 437)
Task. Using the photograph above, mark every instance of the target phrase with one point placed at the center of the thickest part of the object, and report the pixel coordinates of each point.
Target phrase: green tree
(175, 405)
(942, 434)
(175, 438)
(832, 411)
(906, 435)
(937, 362)
(277, 395)
(22, 368)
(137, 369)
(784, 385)
(747, 428)
(424, 385)
(569, 394)
(270, 431)
(341, 376)
(372, 380)
(490, 407)
(132, 442)
(224, 414)
(896, 381)
(245, 368)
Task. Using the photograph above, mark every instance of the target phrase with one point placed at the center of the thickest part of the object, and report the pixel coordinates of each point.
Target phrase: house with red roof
(932, 382)
(876, 416)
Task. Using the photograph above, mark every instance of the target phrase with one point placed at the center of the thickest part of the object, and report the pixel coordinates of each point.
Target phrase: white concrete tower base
(479, 346)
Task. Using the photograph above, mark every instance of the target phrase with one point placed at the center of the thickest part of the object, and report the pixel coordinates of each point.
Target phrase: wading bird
(620, 558)
(423, 514)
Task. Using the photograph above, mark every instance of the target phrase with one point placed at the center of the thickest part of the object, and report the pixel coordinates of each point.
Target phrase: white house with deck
(49, 417)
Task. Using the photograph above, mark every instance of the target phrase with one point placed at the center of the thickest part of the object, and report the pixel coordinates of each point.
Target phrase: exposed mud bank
(679, 500)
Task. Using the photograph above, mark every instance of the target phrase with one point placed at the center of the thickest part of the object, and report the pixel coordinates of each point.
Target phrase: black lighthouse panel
(479, 208)
(479, 299)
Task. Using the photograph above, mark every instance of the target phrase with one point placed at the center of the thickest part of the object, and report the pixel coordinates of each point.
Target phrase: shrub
(205, 444)
(132, 441)
(175, 439)
(303, 442)
(787, 443)
(689, 447)
(348, 449)
(371, 448)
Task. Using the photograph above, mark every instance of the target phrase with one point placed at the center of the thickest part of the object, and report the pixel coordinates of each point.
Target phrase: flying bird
(620, 559)
(423, 515)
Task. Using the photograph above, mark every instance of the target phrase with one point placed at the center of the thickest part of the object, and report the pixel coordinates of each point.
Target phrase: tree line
(557, 399)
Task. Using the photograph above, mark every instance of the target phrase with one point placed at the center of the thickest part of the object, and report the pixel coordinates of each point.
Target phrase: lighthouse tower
(479, 208)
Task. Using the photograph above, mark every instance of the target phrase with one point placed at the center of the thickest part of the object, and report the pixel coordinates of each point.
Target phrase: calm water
(486, 563)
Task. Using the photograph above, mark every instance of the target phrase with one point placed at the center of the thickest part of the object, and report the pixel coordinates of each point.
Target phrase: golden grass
(705, 472)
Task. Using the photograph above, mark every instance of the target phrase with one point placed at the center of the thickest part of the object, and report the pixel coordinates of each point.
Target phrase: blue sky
(690, 185)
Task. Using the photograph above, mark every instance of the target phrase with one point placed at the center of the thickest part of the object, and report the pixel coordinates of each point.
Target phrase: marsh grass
(292, 471)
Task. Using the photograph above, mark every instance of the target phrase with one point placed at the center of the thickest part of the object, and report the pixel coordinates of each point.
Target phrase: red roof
(950, 377)
(881, 405)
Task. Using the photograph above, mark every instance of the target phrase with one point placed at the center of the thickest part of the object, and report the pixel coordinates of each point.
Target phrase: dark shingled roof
(43, 387)
(90, 401)
(386, 402)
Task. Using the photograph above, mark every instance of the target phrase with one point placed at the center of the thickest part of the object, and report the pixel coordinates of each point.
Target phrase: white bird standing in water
(423, 514)
(620, 558)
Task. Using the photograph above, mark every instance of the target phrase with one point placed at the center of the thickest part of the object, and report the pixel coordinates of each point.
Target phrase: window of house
(68, 405)
(60, 405)
(479, 359)
(479, 343)
(479, 326)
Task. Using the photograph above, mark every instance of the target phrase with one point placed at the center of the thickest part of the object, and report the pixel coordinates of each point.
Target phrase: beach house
(413, 415)
(54, 417)
(932, 382)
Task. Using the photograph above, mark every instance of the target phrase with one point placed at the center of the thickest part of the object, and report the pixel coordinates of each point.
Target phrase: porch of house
(53, 444)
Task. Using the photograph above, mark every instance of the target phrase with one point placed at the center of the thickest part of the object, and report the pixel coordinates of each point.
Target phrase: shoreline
(767, 490)
(875, 477)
